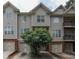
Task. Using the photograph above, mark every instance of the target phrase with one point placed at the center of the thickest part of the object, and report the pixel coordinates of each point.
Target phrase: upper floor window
(55, 20)
(8, 14)
(24, 19)
(56, 33)
(40, 18)
(8, 30)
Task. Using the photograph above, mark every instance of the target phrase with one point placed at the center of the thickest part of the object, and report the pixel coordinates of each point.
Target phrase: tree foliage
(69, 3)
(36, 38)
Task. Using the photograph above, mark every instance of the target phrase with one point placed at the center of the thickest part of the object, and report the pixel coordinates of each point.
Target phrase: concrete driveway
(6, 54)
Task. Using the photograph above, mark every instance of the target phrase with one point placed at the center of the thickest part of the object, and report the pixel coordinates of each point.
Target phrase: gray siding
(12, 21)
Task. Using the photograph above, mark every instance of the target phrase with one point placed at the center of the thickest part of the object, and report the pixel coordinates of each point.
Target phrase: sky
(27, 5)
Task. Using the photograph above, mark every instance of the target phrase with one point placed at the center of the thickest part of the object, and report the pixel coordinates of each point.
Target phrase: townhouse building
(60, 23)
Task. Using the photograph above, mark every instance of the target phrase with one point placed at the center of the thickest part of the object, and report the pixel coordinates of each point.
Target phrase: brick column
(50, 47)
(16, 45)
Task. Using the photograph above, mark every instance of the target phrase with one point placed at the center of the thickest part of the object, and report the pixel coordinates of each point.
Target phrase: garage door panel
(24, 48)
(9, 46)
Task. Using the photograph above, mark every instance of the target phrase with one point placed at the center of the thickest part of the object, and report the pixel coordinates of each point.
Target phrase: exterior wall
(40, 11)
(55, 26)
(56, 45)
(22, 24)
(12, 21)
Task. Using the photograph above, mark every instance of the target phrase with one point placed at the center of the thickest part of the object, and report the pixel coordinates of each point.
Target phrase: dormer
(40, 15)
(9, 5)
(40, 6)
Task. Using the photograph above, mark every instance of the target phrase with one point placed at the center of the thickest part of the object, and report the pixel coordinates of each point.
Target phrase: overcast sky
(27, 5)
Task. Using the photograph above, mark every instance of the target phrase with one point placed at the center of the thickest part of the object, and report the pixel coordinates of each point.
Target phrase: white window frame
(56, 33)
(8, 14)
(40, 18)
(9, 30)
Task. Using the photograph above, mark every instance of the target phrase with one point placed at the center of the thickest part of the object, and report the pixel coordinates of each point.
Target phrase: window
(55, 20)
(40, 18)
(9, 30)
(57, 33)
(24, 18)
(23, 30)
(8, 15)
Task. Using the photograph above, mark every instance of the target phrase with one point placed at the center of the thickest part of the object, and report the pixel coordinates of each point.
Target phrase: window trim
(8, 15)
(40, 18)
(56, 33)
(9, 30)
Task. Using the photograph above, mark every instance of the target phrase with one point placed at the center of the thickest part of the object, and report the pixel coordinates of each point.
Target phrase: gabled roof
(42, 6)
(57, 10)
(69, 9)
(11, 5)
(60, 7)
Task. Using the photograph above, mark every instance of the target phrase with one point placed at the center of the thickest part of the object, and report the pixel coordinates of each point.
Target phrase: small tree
(36, 39)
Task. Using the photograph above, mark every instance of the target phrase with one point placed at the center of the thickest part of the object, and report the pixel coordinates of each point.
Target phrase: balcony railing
(69, 24)
(69, 37)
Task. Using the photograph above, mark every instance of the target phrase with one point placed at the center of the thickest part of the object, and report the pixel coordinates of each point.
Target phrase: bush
(36, 38)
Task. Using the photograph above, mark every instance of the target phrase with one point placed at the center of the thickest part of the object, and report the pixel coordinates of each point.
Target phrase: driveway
(44, 55)
(68, 56)
(6, 54)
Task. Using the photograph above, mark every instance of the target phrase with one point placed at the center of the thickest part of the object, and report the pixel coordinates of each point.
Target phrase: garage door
(8, 46)
(24, 48)
(57, 48)
(68, 47)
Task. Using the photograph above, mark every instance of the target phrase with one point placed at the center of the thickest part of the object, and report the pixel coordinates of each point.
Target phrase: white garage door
(57, 48)
(8, 46)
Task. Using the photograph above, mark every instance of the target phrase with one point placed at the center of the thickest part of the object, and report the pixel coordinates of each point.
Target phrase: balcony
(69, 34)
(69, 37)
(69, 22)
